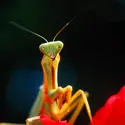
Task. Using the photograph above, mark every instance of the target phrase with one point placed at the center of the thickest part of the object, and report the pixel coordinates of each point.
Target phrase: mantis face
(51, 49)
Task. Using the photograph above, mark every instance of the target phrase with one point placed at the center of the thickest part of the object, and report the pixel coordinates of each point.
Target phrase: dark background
(93, 45)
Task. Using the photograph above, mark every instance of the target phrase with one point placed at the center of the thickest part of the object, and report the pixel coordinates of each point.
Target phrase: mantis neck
(50, 68)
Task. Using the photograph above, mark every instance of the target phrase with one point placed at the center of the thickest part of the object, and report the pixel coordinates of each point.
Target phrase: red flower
(113, 112)
(47, 121)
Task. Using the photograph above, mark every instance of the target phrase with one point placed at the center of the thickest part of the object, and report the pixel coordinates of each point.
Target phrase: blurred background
(93, 57)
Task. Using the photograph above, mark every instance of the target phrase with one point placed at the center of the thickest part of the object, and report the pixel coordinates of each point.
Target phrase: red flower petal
(47, 121)
(113, 112)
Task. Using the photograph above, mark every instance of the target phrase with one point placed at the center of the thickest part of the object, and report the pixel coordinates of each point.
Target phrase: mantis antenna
(25, 29)
(63, 28)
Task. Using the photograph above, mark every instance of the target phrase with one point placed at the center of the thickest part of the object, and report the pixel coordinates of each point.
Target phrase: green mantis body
(57, 102)
(53, 100)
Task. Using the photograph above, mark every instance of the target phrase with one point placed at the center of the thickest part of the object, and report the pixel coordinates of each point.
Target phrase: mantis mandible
(53, 100)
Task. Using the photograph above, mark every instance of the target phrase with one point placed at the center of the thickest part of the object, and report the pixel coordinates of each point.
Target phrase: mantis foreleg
(76, 102)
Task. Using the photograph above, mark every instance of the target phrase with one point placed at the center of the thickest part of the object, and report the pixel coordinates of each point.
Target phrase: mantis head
(51, 49)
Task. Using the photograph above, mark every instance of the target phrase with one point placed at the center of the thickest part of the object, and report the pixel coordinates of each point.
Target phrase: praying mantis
(53, 100)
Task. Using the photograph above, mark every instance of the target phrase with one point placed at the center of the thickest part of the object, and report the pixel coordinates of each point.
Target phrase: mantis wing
(37, 104)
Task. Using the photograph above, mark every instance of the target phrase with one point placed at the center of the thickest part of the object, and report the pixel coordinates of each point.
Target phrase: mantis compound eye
(42, 48)
(58, 47)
